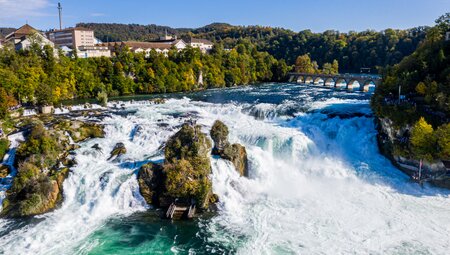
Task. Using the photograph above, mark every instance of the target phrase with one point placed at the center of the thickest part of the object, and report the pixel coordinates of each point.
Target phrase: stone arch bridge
(352, 82)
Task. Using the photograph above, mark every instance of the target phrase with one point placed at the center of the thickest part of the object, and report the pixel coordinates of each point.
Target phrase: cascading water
(317, 184)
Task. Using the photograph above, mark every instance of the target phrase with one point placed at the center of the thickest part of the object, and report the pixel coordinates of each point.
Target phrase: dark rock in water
(118, 150)
(158, 100)
(151, 182)
(235, 153)
(184, 175)
(96, 147)
(4, 171)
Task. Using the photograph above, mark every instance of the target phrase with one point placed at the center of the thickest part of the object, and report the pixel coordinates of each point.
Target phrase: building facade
(203, 44)
(25, 36)
(93, 52)
(146, 47)
(73, 38)
(80, 39)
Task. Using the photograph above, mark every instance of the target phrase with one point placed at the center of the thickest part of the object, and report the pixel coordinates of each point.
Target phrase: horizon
(43, 14)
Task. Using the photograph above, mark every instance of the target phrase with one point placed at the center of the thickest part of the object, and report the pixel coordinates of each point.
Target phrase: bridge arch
(309, 80)
(300, 79)
(369, 86)
(340, 83)
(319, 81)
(353, 85)
(330, 82)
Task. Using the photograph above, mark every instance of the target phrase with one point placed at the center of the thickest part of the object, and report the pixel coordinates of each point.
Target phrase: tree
(421, 88)
(303, 64)
(423, 141)
(443, 140)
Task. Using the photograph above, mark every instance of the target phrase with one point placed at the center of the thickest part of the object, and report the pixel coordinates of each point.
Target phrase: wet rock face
(4, 171)
(151, 183)
(235, 153)
(118, 150)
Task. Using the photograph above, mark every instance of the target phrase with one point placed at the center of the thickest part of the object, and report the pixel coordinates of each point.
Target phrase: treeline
(303, 64)
(353, 50)
(37, 76)
(423, 79)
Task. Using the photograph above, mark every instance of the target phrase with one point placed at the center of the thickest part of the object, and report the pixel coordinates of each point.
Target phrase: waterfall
(317, 183)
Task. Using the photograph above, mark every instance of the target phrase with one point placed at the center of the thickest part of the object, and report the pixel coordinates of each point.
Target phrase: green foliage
(443, 140)
(424, 77)
(423, 140)
(353, 50)
(102, 97)
(35, 76)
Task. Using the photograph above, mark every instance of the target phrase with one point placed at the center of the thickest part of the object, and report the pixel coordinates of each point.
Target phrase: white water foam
(317, 186)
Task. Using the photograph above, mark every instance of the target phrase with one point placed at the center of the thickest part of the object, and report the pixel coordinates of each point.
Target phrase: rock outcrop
(42, 163)
(184, 175)
(235, 153)
(118, 150)
(4, 171)
(80, 131)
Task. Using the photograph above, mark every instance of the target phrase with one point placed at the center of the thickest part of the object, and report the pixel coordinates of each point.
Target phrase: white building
(447, 36)
(93, 52)
(147, 47)
(25, 36)
(203, 44)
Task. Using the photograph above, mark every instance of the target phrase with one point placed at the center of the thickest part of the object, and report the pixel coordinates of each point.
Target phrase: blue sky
(317, 15)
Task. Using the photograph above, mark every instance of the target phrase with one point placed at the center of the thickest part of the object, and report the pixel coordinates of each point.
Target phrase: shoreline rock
(42, 163)
(388, 135)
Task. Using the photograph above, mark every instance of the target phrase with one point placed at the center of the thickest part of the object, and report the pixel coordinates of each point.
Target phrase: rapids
(317, 184)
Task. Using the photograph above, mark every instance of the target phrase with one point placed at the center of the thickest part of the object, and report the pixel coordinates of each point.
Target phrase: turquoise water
(317, 184)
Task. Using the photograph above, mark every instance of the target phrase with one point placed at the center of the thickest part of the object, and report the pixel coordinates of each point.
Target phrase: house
(203, 44)
(93, 51)
(146, 47)
(79, 38)
(25, 36)
(447, 36)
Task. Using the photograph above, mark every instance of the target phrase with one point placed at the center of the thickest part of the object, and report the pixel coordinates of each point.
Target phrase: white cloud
(22, 9)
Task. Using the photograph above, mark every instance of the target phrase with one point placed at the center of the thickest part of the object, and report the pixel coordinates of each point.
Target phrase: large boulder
(184, 175)
(219, 134)
(236, 153)
(118, 150)
(42, 163)
(151, 182)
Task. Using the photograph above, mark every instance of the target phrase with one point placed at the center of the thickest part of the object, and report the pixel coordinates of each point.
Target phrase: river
(317, 184)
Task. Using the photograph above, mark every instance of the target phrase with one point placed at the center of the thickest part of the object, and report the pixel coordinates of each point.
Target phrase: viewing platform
(352, 82)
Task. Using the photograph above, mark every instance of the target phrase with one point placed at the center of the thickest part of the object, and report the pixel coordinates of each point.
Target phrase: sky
(297, 15)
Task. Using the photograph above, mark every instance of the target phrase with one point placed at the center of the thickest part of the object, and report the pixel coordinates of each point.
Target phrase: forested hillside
(423, 78)
(36, 76)
(352, 50)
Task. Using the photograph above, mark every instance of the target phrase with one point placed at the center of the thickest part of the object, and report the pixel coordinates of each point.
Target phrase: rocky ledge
(181, 184)
(42, 163)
